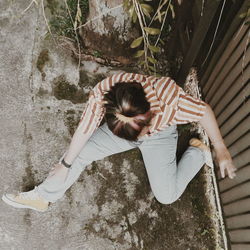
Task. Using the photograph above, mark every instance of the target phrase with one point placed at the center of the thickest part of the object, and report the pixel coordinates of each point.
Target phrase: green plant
(66, 19)
(152, 21)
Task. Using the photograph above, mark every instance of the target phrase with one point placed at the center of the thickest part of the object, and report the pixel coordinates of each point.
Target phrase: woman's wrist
(218, 144)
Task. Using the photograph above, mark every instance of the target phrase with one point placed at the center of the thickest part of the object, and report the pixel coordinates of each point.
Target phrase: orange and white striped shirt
(170, 104)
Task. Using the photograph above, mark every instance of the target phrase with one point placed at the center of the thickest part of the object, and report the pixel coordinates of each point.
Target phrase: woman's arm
(224, 159)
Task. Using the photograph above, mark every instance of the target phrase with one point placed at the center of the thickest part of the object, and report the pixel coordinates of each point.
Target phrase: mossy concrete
(111, 206)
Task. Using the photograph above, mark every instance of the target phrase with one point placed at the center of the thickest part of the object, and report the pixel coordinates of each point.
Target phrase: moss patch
(29, 178)
(43, 58)
(71, 120)
(63, 90)
(61, 23)
(85, 80)
(185, 224)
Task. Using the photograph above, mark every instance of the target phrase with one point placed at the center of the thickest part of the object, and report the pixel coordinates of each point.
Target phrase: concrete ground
(42, 95)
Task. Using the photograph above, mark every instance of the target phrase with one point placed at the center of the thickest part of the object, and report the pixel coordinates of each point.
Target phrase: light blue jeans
(167, 180)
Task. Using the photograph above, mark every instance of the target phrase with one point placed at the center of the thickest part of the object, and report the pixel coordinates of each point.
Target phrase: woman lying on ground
(139, 111)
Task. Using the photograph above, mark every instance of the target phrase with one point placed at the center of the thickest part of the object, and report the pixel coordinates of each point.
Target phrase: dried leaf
(146, 13)
(137, 42)
(152, 31)
(159, 15)
(172, 10)
(147, 7)
(162, 42)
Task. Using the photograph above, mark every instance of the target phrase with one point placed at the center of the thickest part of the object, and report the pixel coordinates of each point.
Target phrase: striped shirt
(168, 101)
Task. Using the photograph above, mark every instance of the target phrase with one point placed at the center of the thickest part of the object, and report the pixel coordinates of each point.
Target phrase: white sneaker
(207, 153)
(29, 199)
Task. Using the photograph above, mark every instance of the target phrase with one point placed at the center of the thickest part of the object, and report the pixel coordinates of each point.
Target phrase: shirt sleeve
(189, 108)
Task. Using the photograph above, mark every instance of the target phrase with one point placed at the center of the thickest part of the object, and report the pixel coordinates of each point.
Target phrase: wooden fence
(224, 75)
(227, 91)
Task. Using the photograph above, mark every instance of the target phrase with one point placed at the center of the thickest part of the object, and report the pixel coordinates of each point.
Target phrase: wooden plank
(242, 159)
(240, 145)
(242, 175)
(220, 87)
(235, 26)
(237, 207)
(225, 65)
(239, 161)
(198, 38)
(224, 57)
(240, 246)
(235, 118)
(239, 82)
(238, 221)
(236, 193)
(238, 131)
(233, 106)
(242, 235)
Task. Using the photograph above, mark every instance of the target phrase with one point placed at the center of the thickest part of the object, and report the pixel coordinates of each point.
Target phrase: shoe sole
(19, 205)
(199, 144)
(194, 142)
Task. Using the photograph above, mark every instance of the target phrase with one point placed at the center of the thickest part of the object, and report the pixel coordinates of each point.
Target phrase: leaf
(152, 31)
(242, 15)
(142, 62)
(131, 11)
(126, 4)
(162, 42)
(134, 17)
(145, 11)
(137, 42)
(172, 10)
(152, 60)
(147, 7)
(139, 53)
(159, 15)
(154, 48)
(152, 68)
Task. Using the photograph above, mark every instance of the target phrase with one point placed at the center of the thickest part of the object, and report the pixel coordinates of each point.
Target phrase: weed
(61, 22)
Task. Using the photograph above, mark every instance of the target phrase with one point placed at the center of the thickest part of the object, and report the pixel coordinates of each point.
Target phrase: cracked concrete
(111, 206)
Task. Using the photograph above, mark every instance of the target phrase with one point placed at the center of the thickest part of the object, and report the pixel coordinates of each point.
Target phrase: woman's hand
(225, 162)
(58, 173)
(224, 159)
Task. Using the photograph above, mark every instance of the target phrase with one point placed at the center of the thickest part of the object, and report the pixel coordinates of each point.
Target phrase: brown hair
(127, 110)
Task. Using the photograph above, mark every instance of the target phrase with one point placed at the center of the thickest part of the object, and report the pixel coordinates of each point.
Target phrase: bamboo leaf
(137, 42)
(152, 31)
(152, 60)
(154, 48)
(139, 53)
